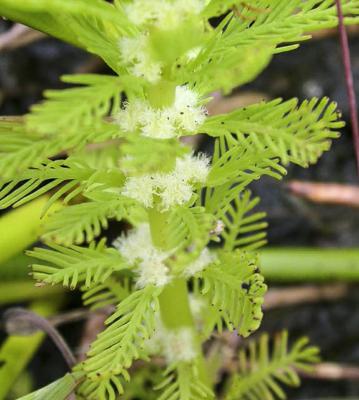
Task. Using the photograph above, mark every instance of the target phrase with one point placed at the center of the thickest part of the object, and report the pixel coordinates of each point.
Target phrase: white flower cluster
(164, 14)
(186, 114)
(138, 250)
(136, 57)
(205, 258)
(174, 345)
(174, 188)
(179, 345)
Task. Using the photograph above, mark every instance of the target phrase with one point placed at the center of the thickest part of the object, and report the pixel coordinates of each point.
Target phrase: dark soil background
(313, 70)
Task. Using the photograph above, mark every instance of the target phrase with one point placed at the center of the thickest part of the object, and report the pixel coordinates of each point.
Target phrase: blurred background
(308, 216)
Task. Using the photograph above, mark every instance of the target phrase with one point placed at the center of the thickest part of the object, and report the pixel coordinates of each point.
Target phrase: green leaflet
(255, 26)
(91, 26)
(262, 372)
(297, 133)
(111, 292)
(243, 230)
(84, 222)
(119, 345)
(238, 165)
(72, 265)
(75, 108)
(236, 288)
(182, 383)
(74, 175)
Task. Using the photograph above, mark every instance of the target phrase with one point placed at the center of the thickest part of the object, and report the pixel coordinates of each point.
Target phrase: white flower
(136, 56)
(153, 271)
(179, 345)
(127, 118)
(140, 188)
(140, 12)
(137, 244)
(190, 115)
(197, 304)
(185, 98)
(194, 169)
(186, 114)
(158, 124)
(174, 188)
(205, 258)
(133, 48)
(164, 14)
(148, 69)
(137, 248)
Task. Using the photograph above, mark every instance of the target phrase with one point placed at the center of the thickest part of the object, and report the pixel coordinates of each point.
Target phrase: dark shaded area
(313, 70)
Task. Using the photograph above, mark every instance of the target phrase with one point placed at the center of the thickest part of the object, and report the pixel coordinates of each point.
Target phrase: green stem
(162, 94)
(174, 299)
(310, 265)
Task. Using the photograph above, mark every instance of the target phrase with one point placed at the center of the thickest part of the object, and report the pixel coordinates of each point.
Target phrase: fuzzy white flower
(136, 244)
(133, 48)
(205, 258)
(127, 118)
(185, 98)
(158, 124)
(153, 271)
(196, 304)
(164, 14)
(174, 188)
(140, 188)
(190, 115)
(137, 248)
(141, 12)
(186, 114)
(195, 169)
(136, 56)
(148, 69)
(179, 345)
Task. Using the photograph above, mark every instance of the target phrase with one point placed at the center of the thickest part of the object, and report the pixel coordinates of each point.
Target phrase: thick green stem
(162, 94)
(310, 265)
(174, 300)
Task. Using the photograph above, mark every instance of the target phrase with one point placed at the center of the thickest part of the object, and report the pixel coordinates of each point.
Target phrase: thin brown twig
(276, 298)
(19, 35)
(333, 372)
(349, 80)
(20, 321)
(327, 193)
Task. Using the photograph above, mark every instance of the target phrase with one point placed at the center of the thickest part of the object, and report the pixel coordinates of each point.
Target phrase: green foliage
(74, 175)
(115, 349)
(83, 222)
(262, 372)
(294, 133)
(182, 383)
(70, 109)
(243, 230)
(112, 148)
(236, 288)
(72, 265)
(111, 292)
